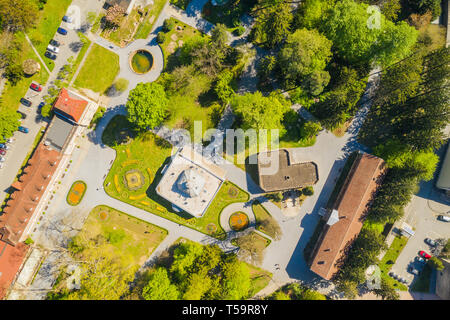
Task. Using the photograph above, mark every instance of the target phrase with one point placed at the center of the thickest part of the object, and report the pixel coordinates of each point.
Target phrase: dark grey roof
(58, 133)
(443, 181)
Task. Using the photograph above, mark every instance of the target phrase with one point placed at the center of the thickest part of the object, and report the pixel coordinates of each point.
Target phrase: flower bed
(76, 193)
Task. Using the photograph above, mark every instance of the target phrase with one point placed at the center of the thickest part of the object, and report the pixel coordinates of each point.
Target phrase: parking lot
(421, 214)
(22, 142)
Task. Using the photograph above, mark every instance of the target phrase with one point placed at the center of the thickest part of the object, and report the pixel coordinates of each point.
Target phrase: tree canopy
(259, 112)
(303, 58)
(159, 287)
(147, 105)
(272, 25)
(9, 122)
(18, 15)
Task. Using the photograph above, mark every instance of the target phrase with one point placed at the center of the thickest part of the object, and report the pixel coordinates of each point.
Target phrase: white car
(444, 218)
(1, 165)
(52, 48)
(2, 159)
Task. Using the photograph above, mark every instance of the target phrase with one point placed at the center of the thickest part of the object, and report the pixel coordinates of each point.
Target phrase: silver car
(430, 242)
(52, 48)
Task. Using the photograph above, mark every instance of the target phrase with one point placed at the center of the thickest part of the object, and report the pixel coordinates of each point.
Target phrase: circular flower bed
(133, 180)
(238, 221)
(76, 193)
(233, 192)
(211, 227)
(103, 215)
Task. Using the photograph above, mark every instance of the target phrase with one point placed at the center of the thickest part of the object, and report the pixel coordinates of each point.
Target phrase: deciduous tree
(147, 105)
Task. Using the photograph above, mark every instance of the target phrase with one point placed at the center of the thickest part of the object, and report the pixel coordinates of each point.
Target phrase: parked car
(67, 19)
(36, 87)
(25, 102)
(430, 242)
(2, 152)
(9, 140)
(4, 146)
(52, 48)
(50, 55)
(413, 271)
(41, 105)
(1, 165)
(23, 129)
(62, 31)
(54, 43)
(22, 115)
(420, 259)
(2, 159)
(444, 218)
(425, 255)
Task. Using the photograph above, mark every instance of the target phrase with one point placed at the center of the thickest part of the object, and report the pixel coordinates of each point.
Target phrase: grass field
(153, 13)
(389, 259)
(129, 238)
(11, 94)
(49, 21)
(261, 214)
(82, 52)
(125, 32)
(99, 70)
(148, 154)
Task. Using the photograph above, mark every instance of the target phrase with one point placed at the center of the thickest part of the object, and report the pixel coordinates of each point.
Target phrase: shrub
(308, 191)
(168, 25)
(29, 241)
(121, 84)
(239, 31)
(161, 37)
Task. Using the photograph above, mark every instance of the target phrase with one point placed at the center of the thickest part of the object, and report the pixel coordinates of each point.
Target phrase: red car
(2, 152)
(36, 87)
(424, 254)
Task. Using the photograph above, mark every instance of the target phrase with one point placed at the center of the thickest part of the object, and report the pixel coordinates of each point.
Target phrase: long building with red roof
(346, 218)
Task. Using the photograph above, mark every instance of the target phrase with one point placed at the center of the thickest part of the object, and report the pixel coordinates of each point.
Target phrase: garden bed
(76, 193)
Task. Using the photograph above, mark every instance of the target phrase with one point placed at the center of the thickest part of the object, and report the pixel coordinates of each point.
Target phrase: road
(91, 163)
(19, 148)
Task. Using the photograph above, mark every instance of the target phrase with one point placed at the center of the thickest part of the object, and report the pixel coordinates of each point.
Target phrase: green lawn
(82, 52)
(260, 279)
(148, 154)
(134, 239)
(99, 70)
(153, 12)
(261, 214)
(12, 94)
(389, 259)
(49, 21)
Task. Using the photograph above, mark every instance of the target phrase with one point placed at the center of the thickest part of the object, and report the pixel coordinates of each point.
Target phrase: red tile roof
(30, 187)
(11, 259)
(351, 204)
(69, 105)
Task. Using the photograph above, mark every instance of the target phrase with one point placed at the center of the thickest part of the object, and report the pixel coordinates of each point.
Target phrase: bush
(161, 37)
(239, 31)
(308, 191)
(168, 25)
(46, 110)
(121, 84)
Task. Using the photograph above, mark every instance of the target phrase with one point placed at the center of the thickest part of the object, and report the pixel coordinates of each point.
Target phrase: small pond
(142, 61)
